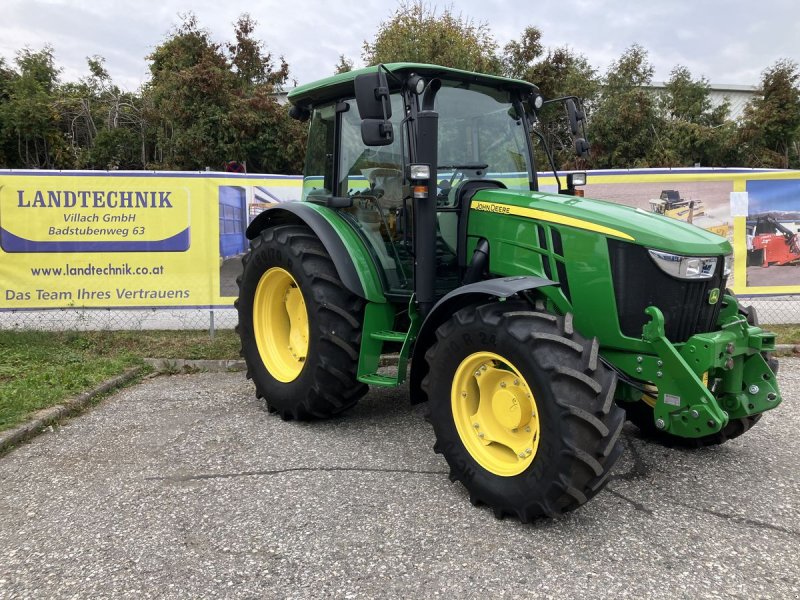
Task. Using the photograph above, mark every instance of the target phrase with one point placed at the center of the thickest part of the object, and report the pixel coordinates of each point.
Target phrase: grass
(785, 334)
(41, 369)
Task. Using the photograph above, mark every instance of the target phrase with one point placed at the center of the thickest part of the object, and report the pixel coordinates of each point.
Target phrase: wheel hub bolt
(477, 373)
(729, 364)
(730, 348)
(516, 382)
(660, 423)
(476, 425)
(528, 451)
(483, 367)
(502, 384)
(480, 435)
(695, 414)
(753, 389)
(522, 455)
(528, 429)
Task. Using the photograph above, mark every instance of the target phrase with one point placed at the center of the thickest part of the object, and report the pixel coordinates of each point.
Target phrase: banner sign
(122, 240)
(175, 240)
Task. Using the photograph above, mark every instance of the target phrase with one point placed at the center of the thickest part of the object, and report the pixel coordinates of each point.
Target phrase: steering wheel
(478, 171)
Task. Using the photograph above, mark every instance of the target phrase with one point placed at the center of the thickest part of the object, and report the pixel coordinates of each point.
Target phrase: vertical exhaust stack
(425, 208)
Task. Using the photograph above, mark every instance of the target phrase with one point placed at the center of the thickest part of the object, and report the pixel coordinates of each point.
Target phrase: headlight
(685, 267)
(727, 266)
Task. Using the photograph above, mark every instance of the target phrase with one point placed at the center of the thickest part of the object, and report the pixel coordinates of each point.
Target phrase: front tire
(522, 409)
(300, 328)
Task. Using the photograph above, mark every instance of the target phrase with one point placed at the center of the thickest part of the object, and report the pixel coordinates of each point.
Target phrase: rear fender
(350, 256)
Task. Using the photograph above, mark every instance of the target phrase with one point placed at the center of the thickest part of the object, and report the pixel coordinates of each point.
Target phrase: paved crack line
(741, 520)
(639, 470)
(637, 505)
(203, 476)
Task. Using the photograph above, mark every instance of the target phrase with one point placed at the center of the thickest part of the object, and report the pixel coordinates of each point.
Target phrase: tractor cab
(482, 141)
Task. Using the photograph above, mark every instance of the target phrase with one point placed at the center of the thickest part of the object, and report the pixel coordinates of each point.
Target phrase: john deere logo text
(713, 296)
(488, 207)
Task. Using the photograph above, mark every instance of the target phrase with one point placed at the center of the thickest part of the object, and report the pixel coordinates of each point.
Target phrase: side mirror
(576, 115)
(581, 147)
(372, 96)
(374, 108)
(376, 132)
(299, 113)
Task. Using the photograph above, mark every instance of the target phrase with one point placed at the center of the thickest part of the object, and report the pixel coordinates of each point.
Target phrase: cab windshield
(481, 135)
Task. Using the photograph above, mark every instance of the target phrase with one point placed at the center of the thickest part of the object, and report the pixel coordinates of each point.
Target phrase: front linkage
(707, 381)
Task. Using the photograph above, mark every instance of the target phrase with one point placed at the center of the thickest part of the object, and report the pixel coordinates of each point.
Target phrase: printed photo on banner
(705, 204)
(238, 206)
(773, 234)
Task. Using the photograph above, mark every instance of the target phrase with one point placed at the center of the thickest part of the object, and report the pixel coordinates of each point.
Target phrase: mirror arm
(549, 156)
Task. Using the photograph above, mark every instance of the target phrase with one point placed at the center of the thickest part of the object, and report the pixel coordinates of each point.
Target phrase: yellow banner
(108, 240)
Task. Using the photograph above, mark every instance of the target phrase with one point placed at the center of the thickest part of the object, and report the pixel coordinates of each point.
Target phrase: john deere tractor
(531, 323)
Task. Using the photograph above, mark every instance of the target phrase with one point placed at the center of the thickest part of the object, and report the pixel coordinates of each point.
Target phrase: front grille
(639, 283)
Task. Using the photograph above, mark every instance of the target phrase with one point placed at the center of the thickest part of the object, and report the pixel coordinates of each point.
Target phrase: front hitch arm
(685, 406)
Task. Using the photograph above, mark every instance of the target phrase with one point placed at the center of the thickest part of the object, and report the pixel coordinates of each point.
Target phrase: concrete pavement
(184, 486)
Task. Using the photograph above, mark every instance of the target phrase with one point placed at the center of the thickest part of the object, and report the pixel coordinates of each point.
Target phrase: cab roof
(342, 86)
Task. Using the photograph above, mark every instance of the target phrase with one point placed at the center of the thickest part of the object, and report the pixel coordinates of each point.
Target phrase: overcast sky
(726, 41)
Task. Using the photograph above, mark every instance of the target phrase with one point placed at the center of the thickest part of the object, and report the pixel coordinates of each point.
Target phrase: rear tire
(572, 423)
(321, 326)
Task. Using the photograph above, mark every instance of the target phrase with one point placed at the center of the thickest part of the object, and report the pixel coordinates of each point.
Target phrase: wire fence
(99, 319)
(772, 310)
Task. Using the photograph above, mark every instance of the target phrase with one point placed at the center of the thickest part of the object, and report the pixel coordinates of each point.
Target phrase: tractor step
(379, 380)
(388, 336)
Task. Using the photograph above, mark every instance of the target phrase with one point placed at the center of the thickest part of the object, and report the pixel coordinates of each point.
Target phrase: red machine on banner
(774, 243)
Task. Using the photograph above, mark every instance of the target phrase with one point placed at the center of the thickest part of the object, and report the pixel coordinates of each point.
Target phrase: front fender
(348, 252)
(450, 304)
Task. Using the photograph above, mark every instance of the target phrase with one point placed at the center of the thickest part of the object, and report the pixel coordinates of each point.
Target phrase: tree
(7, 77)
(695, 132)
(416, 33)
(625, 125)
(102, 123)
(558, 72)
(213, 103)
(29, 114)
(249, 60)
(190, 94)
(772, 119)
(345, 65)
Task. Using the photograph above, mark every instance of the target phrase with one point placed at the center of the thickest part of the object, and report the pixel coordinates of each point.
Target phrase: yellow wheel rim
(495, 414)
(280, 324)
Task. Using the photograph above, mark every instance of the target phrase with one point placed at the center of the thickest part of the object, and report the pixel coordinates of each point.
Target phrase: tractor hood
(607, 218)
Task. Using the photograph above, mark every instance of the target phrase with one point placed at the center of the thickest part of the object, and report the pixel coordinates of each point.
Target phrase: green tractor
(531, 323)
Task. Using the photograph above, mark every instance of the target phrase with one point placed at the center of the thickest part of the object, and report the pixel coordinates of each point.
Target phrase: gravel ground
(184, 486)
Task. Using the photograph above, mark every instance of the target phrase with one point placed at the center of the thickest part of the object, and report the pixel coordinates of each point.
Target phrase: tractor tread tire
(327, 385)
(579, 427)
